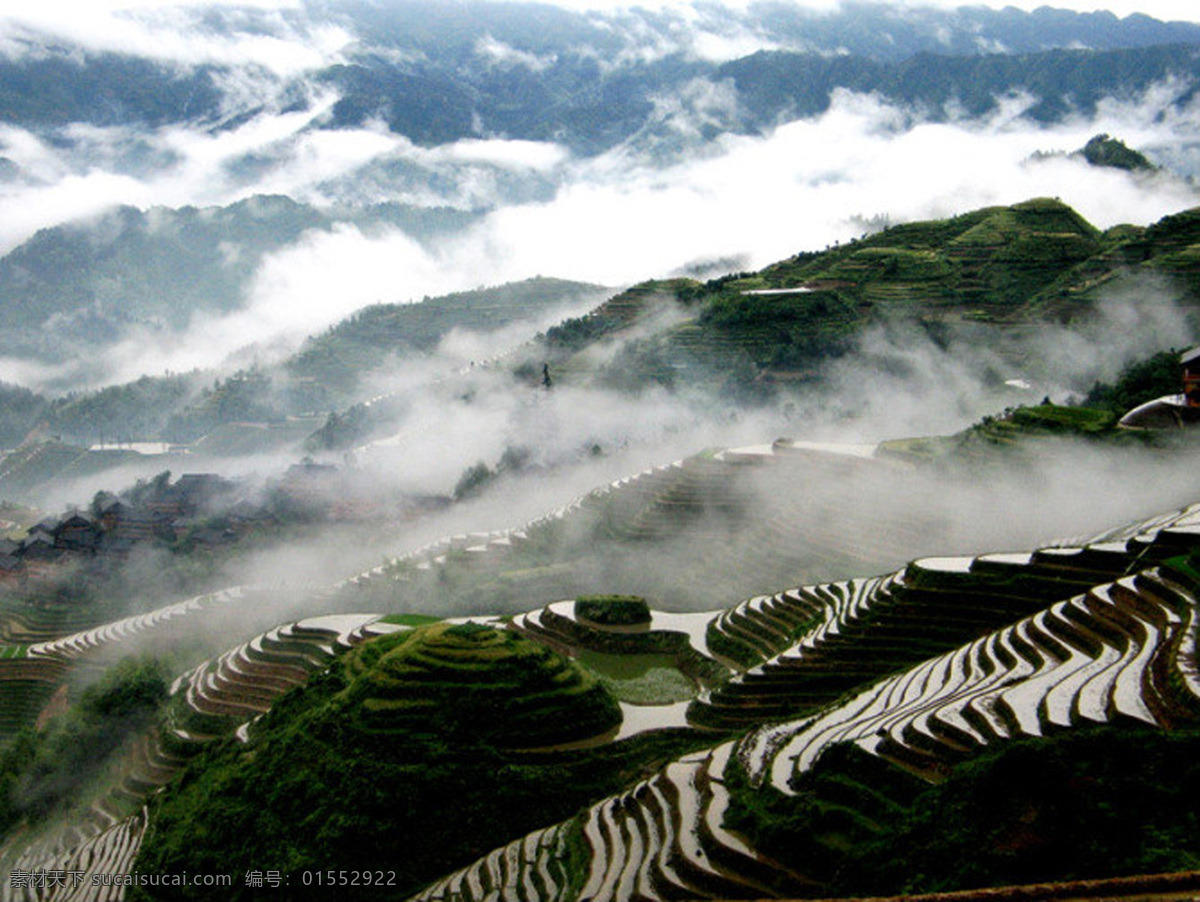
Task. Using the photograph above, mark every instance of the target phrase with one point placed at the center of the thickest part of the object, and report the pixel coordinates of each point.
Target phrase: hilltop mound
(414, 752)
(469, 682)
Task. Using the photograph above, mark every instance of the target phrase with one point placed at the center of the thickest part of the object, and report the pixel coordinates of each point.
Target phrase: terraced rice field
(764, 516)
(218, 698)
(1121, 650)
(921, 666)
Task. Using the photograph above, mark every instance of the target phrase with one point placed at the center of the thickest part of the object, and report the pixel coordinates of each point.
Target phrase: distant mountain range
(74, 288)
(438, 72)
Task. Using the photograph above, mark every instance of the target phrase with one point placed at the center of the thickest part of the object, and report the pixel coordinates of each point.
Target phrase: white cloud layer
(813, 182)
(280, 36)
(175, 31)
(1166, 10)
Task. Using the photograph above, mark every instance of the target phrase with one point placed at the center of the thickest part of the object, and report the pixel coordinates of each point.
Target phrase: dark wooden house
(1190, 361)
(75, 532)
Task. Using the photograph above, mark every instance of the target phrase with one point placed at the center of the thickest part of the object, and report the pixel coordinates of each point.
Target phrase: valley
(593, 452)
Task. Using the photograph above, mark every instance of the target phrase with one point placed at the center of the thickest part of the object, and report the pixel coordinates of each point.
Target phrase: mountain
(384, 334)
(1104, 150)
(980, 276)
(439, 72)
(85, 284)
(208, 416)
(775, 86)
(990, 278)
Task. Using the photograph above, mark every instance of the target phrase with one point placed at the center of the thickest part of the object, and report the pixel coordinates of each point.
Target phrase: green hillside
(415, 752)
(384, 333)
(992, 269)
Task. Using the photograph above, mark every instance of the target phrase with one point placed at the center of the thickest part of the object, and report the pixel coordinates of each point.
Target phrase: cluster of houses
(157, 510)
(200, 509)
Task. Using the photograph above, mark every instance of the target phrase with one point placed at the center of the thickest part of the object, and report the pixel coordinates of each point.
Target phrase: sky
(49, 10)
(1167, 10)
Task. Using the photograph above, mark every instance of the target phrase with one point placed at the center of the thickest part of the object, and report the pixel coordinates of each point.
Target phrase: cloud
(1165, 10)
(505, 55)
(222, 32)
(297, 292)
(71, 197)
(80, 170)
(935, 388)
(506, 153)
(670, 197)
(83, 169)
(290, 36)
(618, 219)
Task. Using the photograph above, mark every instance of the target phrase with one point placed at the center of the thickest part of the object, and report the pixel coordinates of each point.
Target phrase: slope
(982, 275)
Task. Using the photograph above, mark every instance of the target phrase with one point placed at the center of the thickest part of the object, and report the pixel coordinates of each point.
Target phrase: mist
(820, 512)
(684, 194)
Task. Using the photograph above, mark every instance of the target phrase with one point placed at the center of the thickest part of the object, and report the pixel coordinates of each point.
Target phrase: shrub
(613, 610)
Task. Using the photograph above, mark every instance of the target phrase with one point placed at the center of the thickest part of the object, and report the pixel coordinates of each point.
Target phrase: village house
(1172, 411)
(39, 556)
(11, 568)
(158, 510)
(1191, 377)
(76, 532)
(112, 512)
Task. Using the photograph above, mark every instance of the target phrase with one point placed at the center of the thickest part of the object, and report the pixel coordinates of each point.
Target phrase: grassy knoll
(474, 683)
(613, 610)
(399, 758)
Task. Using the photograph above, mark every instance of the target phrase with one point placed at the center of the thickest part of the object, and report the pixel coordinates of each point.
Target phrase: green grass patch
(1053, 418)
(410, 619)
